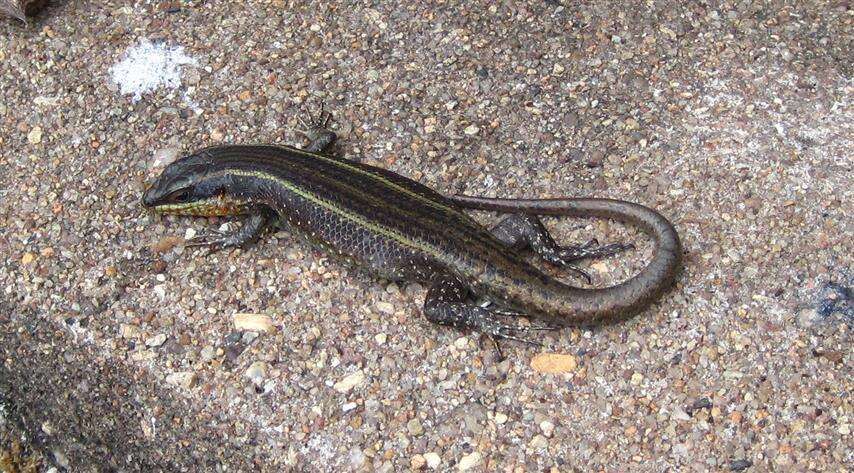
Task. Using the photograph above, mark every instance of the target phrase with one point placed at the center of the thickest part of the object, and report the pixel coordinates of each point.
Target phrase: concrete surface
(734, 119)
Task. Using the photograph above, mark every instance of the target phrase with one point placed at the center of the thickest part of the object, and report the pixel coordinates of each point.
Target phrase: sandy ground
(118, 347)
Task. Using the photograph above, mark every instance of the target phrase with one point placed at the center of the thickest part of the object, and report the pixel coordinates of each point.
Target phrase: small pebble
(469, 461)
(35, 135)
(184, 379)
(253, 322)
(414, 427)
(433, 460)
(256, 372)
(163, 157)
(539, 442)
(156, 340)
(554, 363)
(548, 428)
(347, 383)
(417, 462)
(385, 307)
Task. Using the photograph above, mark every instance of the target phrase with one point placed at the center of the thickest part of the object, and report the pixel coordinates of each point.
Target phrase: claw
(541, 328)
(584, 274)
(613, 248)
(202, 241)
(485, 303)
(504, 331)
(497, 346)
(213, 239)
(591, 249)
(593, 243)
(510, 313)
(314, 123)
(527, 341)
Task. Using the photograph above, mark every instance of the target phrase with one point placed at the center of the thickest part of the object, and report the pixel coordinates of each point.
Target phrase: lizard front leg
(316, 130)
(253, 226)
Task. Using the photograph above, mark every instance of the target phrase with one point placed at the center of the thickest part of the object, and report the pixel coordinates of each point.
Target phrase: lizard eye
(180, 196)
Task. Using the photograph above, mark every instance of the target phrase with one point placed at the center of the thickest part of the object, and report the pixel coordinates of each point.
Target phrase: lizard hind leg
(449, 303)
(522, 231)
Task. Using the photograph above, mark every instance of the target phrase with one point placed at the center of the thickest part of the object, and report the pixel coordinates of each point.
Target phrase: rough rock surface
(117, 343)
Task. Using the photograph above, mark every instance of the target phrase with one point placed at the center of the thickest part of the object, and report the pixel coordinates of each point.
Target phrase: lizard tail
(579, 305)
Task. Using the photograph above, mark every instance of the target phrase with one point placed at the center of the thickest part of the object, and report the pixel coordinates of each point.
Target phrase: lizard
(401, 229)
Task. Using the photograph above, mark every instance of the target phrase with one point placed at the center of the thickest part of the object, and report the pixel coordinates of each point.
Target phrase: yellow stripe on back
(359, 220)
(384, 181)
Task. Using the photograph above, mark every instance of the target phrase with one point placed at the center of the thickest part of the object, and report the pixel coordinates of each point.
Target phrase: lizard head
(191, 186)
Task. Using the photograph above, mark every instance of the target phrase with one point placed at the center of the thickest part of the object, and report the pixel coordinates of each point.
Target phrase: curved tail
(578, 305)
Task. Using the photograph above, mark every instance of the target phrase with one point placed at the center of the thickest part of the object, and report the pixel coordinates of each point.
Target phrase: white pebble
(385, 307)
(184, 379)
(433, 460)
(347, 383)
(164, 157)
(548, 428)
(253, 322)
(469, 461)
(35, 135)
(256, 372)
(156, 340)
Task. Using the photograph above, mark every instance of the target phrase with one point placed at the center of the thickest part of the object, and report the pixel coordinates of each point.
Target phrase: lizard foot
(567, 254)
(316, 130)
(503, 331)
(213, 240)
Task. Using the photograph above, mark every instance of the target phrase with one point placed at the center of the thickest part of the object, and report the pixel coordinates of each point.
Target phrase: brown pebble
(553, 363)
(158, 266)
(165, 244)
(832, 355)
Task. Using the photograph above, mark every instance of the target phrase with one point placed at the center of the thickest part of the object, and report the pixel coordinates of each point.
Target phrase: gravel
(119, 348)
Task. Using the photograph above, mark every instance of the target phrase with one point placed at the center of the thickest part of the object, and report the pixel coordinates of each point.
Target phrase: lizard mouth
(219, 206)
(149, 200)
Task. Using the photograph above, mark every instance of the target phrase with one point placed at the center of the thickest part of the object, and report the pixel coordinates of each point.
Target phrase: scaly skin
(403, 230)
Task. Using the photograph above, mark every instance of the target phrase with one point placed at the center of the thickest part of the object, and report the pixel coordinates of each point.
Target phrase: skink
(403, 230)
